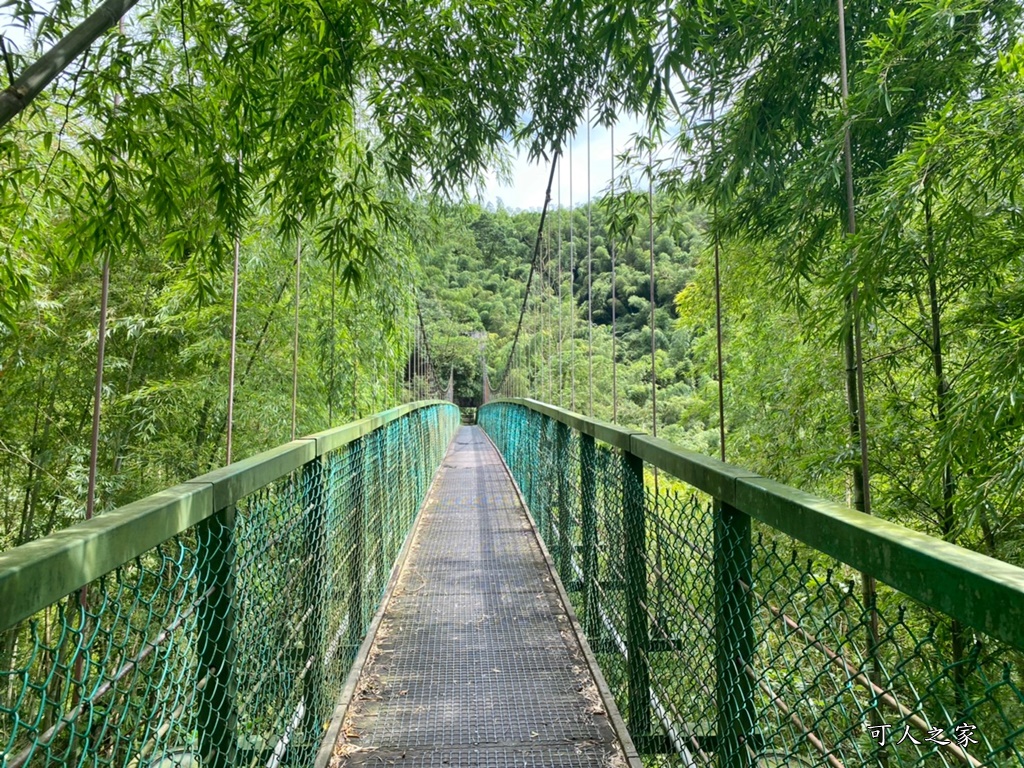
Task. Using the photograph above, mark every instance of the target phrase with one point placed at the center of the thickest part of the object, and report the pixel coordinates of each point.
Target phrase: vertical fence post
(523, 445)
(217, 720)
(374, 512)
(588, 524)
(547, 462)
(564, 551)
(634, 528)
(734, 636)
(357, 557)
(403, 465)
(315, 585)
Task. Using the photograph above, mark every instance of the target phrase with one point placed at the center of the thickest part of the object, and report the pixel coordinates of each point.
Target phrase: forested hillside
(863, 201)
(476, 277)
(166, 374)
(785, 397)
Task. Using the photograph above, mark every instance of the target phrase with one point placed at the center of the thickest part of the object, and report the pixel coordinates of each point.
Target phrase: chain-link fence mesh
(228, 644)
(727, 642)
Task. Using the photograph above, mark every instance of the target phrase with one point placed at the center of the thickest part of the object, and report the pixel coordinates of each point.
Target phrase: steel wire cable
(590, 287)
(334, 345)
(295, 338)
(438, 389)
(717, 244)
(560, 280)
(540, 347)
(572, 293)
(609, 230)
(234, 340)
(650, 226)
(529, 278)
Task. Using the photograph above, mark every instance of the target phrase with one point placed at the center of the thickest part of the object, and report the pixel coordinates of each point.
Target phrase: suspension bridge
(516, 583)
(405, 591)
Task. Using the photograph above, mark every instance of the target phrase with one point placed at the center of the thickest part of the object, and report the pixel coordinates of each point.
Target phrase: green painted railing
(213, 623)
(727, 613)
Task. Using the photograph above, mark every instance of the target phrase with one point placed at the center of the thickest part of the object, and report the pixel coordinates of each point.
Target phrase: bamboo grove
(847, 216)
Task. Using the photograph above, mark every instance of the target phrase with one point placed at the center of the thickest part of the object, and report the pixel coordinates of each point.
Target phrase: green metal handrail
(731, 617)
(216, 618)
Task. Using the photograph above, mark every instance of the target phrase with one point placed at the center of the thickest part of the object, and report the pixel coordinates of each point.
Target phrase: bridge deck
(475, 662)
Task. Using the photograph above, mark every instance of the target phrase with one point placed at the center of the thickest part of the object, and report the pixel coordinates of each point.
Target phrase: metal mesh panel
(227, 644)
(729, 643)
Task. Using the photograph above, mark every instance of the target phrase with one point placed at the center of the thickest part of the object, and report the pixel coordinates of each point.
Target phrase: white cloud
(529, 180)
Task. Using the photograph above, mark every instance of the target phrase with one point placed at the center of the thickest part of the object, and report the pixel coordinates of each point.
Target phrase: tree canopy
(359, 127)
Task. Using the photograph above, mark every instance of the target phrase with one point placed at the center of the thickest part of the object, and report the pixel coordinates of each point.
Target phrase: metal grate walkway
(475, 662)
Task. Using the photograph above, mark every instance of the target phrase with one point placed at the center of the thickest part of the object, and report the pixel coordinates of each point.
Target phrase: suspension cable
(560, 284)
(425, 387)
(437, 389)
(531, 352)
(355, 370)
(572, 294)
(424, 365)
(590, 286)
(234, 340)
(542, 368)
(659, 547)
(334, 344)
(529, 278)
(549, 337)
(295, 337)
(536, 384)
(716, 238)
(233, 355)
(420, 368)
(419, 361)
(650, 225)
(409, 375)
(611, 249)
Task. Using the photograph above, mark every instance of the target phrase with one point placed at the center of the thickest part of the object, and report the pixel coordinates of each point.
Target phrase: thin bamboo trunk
(958, 633)
(854, 359)
(40, 74)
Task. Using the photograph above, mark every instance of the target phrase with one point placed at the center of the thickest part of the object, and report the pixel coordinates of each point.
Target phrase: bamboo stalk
(779, 704)
(40, 74)
(864, 680)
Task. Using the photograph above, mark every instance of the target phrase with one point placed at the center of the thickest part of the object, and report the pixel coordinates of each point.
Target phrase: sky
(526, 189)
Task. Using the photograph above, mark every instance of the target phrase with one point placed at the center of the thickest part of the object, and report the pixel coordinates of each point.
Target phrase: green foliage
(474, 280)
(165, 384)
(199, 124)
(934, 123)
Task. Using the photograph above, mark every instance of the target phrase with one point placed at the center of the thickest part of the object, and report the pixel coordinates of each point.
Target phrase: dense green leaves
(348, 122)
